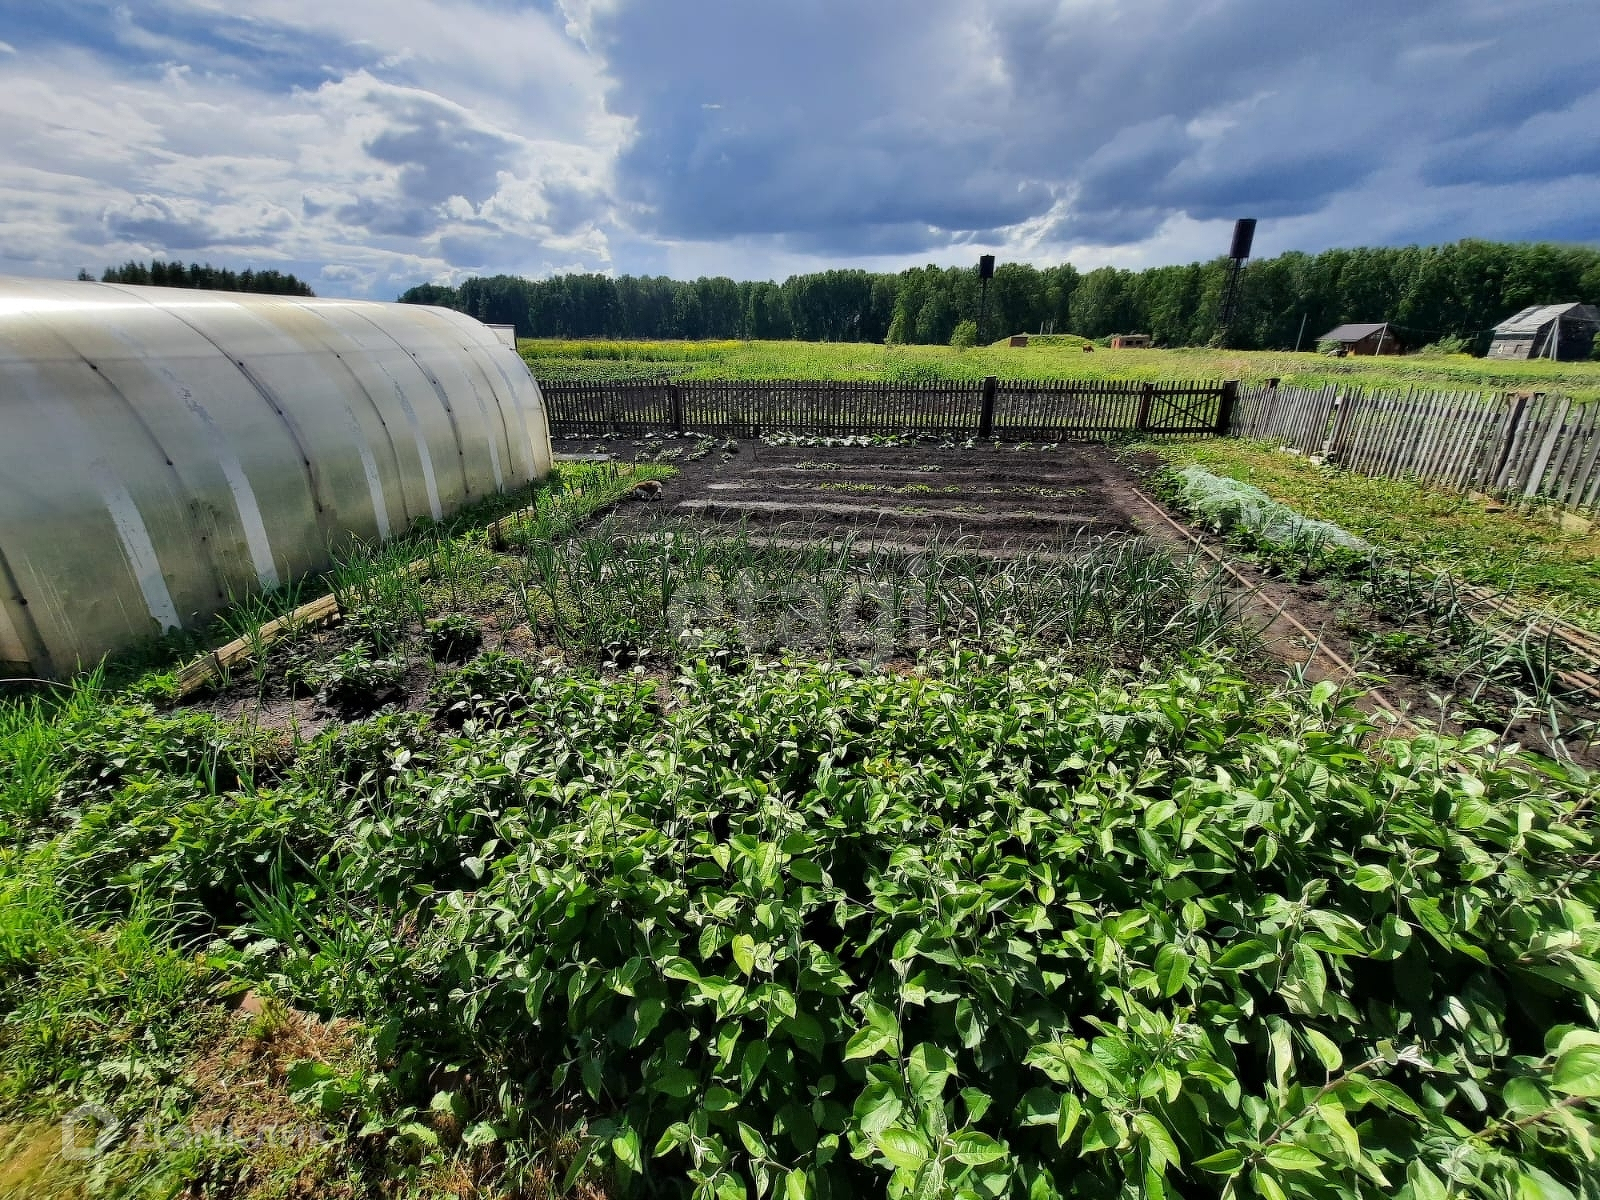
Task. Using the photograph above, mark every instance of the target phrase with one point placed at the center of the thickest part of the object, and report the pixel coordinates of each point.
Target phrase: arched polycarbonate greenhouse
(164, 451)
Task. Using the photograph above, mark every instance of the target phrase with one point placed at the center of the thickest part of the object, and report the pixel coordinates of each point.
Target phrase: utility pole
(1302, 334)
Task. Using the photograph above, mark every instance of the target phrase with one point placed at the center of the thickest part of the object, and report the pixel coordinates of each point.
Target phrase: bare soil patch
(993, 498)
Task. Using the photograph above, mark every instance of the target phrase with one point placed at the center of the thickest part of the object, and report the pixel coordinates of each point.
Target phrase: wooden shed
(1130, 341)
(1564, 332)
(1375, 338)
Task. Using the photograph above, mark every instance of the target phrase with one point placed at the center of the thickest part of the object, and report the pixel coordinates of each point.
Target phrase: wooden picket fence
(1529, 447)
(1011, 410)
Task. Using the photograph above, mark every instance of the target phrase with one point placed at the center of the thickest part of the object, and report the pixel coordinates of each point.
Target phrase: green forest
(1432, 294)
(217, 279)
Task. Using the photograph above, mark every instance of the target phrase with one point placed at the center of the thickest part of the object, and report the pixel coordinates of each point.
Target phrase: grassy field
(559, 361)
(572, 864)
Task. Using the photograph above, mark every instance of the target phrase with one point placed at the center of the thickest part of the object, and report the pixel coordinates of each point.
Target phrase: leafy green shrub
(1449, 344)
(353, 681)
(965, 336)
(496, 689)
(366, 754)
(454, 637)
(985, 929)
(381, 628)
(491, 689)
(204, 850)
(133, 741)
(1401, 650)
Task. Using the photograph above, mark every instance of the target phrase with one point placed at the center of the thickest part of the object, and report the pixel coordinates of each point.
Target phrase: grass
(1519, 551)
(631, 865)
(108, 992)
(560, 361)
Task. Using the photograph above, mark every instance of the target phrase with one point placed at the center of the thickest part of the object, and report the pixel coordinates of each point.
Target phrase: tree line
(217, 279)
(1430, 293)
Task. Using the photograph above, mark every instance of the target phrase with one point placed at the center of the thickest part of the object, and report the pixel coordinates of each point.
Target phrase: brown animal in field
(649, 489)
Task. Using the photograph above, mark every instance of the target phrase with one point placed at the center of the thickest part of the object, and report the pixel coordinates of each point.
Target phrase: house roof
(1536, 317)
(1353, 333)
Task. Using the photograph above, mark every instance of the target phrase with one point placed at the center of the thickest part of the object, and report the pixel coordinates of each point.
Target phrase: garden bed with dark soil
(1004, 500)
(992, 497)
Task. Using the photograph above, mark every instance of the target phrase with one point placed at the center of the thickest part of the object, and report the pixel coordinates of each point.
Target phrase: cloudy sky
(368, 145)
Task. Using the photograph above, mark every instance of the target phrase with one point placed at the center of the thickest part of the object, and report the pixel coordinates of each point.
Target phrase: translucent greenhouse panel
(167, 451)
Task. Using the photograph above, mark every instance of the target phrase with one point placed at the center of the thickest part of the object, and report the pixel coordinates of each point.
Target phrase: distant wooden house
(1130, 341)
(1363, 339)
(1019, 339)
(1565, 332)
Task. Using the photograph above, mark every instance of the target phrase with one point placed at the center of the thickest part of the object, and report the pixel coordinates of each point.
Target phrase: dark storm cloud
(800, 121)
(174, 227)
(572, 206)
(1134, 163)
(389, 218)
(1288, 187)
(1106, 227)
(480, 249)
(441, 152)
(157, 222)
(833, 125)
(1550, 145)
(870, 241)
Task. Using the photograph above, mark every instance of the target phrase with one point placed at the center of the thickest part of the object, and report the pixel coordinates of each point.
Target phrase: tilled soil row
(1002, 499)
(836, 490)
(942, 522)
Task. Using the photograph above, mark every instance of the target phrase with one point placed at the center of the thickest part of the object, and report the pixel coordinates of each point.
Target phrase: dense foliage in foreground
(980, 928)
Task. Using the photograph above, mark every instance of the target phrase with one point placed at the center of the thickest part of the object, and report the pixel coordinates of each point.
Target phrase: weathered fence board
(1539, 447)
(1048, 410)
